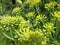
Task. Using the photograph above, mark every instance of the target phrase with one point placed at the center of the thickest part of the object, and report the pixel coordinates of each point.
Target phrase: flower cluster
(10, 23)
(49, 26)
(50, 5)
(39, 20)
(16, 10)
(32, 37)
(41, 17)
(30, 16)
(57, 15)
(32, 2)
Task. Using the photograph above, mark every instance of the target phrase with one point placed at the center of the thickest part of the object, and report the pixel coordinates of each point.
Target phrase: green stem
(7, 36)
(57, 29)
(37, 9)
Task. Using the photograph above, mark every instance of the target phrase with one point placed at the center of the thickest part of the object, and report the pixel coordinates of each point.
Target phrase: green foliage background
(30, 22)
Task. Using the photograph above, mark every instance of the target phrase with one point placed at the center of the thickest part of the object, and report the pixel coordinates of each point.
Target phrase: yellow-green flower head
(32, 2)
(37, 36)
(11, 18)
(30, 14)
(49, 26)
(24, 24)
(50, 5)
(57, 15)
(8, 19)
(41, 17)
(24, 34)
(9, 22)
(16, 10)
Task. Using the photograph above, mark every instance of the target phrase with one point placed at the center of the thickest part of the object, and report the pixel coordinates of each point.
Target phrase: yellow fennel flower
(32, 2)
(16, 10)
(57, 14)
